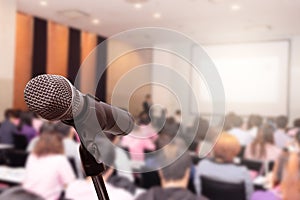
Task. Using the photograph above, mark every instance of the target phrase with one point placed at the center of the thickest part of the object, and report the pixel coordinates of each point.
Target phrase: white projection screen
(254, 75)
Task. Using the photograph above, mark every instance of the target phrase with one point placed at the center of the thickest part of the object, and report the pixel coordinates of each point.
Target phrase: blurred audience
(221, 166)
(26, 127)
(237, 130)
(263, 148)
(84, 189)
(174, 178)
(137, 142)
(281, 139)
(254, 122)
(48, 170)
(71, 147)
(9, 126)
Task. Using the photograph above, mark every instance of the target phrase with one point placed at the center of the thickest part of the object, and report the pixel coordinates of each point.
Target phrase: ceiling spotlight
(156, 15)
(43, 3)
(138, 5)
(235, 7)
(95, 21)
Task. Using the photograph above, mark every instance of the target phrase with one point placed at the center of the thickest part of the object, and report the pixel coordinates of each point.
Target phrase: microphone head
(52, 97)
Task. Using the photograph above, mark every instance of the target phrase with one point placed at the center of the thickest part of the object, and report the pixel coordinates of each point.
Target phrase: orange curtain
(88, 60)
(23, 57)
(57, 50)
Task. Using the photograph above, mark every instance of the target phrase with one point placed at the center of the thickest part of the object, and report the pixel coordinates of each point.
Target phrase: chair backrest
(252, 164)
(73, 165)
(219, 190)
(150, 179)
(15, 158)
(20, 141)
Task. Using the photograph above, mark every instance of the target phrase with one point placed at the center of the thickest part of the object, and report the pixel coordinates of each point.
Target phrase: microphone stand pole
(95, 170)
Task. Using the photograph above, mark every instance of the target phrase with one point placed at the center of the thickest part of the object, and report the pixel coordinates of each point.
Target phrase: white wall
(294, 108)
(7, 53)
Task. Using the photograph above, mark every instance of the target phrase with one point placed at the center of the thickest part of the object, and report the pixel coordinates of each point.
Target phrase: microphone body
(53, 97)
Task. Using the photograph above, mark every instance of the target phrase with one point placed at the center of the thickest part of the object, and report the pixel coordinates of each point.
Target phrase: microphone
(53, 97)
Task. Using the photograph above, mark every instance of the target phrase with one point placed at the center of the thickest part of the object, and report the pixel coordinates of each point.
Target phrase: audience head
(49, 143)
(26, 118)
(237, 121)
(178, 172)
(13, 116)
(229, 119)
(254, 121)
(281, 122)
(297, 123)
(63, 129)
(7, 113)
(226, 148)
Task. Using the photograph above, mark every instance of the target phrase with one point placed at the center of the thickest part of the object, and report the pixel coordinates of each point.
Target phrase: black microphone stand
(95, 170)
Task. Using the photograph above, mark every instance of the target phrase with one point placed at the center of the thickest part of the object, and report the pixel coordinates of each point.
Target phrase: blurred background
(254, 45)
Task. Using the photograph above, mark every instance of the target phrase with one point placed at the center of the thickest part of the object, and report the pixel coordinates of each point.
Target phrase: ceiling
(207, 21)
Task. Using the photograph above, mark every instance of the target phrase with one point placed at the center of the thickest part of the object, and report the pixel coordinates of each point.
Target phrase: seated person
(84, 189)
(9, 126)
(243, 136)
(174, 179)
(263, 147)
(48, 170)
(221, 166)
(26, 127)
(281, 139)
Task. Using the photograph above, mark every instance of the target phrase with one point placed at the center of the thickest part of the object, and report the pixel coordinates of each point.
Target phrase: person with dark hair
(254, 122)
(237, 130)
(221, 166)
(263, 147)
(84, 189)
(228, 123)
(292, 132)
(281, 139)
(147, 104)
(48, 170)
(26, 127)
(9, 126)
(174, 177)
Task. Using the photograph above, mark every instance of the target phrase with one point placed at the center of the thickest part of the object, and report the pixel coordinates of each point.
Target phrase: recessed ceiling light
(95, 21)
(157, 15)
(138, 5)
(235, 7)
(43, 3)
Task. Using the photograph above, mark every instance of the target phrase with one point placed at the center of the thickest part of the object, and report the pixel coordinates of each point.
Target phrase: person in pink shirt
(138, 141)
(48, 171)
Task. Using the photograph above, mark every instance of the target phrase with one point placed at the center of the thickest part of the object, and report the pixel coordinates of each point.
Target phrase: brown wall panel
(23, 57)
(57, 52)
(88, 67)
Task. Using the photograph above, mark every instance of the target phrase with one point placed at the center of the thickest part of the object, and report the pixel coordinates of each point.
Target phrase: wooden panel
(57, 52)
(23, 57)
(88, 60)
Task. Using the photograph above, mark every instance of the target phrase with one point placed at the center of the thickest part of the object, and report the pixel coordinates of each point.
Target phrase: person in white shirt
(84, 189)
(281, 139)
(243, 136)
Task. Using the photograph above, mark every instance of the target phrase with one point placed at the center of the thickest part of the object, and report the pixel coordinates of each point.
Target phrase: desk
(12, 176)
(6, 146)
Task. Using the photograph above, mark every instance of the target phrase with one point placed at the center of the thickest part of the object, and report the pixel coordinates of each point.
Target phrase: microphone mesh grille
(50, 96)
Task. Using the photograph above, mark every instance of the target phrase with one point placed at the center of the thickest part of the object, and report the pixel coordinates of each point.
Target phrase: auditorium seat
(219, 190)
(16, 158)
